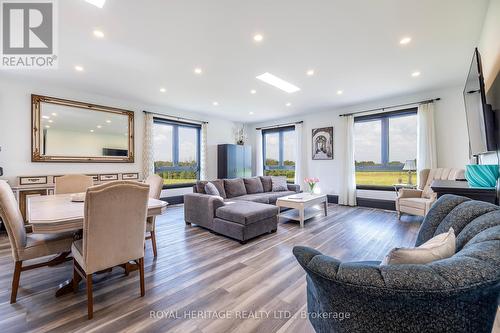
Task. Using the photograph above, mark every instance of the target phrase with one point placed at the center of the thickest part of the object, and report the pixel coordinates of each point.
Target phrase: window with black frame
(176, 152)
(383, 144)
(279, 152)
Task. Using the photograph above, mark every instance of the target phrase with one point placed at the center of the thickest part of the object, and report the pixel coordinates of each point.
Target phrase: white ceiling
(352, 45)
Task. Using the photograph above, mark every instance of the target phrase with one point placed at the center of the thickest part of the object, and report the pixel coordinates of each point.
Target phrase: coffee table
(301, 202)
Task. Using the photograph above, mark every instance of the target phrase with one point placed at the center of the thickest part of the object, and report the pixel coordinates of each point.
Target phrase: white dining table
(50, 214)
(58, 213)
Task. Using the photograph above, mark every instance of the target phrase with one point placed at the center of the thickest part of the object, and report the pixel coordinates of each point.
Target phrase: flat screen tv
(480, 117)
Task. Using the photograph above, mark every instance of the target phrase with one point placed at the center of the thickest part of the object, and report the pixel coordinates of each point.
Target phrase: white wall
(451, 133)
(489, 43)
(15, 131)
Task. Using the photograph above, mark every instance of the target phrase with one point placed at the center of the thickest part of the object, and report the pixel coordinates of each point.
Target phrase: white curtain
(298, 155)
(259, 159)
(148, 167)
(203, 152)
(348, 186)
(426, 138)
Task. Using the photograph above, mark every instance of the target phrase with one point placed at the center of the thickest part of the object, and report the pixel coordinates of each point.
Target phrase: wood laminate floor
(198, 275)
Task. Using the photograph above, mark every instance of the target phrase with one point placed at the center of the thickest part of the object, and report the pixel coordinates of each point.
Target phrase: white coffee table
(301, 202)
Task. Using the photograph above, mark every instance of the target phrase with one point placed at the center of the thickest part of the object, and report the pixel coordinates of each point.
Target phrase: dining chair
(155, 183)
(72, 184)
(113, 232)
(29, 246)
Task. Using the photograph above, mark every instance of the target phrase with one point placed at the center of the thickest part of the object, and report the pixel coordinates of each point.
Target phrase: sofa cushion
(257, 197)
(219, 184)
(253, 185)
(267, 183)
(439, 247)
(279, 184)
(273, 196)
(211, 189)
(419, 203)
(246, 212)
(234, 187)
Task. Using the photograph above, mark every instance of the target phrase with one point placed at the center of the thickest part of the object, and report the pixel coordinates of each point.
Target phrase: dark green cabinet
(234, 161)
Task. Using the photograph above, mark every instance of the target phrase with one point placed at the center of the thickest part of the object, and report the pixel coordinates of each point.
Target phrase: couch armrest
(409, 193)
(200, 208)
(294, 187)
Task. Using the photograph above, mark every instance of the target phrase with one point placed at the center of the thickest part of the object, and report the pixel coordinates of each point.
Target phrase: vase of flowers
(311, 181)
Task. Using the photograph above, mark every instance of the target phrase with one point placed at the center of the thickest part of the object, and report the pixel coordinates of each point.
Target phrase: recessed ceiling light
(340, 92)
(99, 126)
(54, 114)
(79, 68)
(288, 104)
(258, 38)
(278, 83)
(98, 33)
(310, 72)
(91, 131)
(108, 121)
(215, 103)
(163, 90)
(405, 40)
(253, 91)
(198, 71)
(47, 126)
(97, 3)
(250, 113)
(51, 121)
(415, 74)
(45, 117)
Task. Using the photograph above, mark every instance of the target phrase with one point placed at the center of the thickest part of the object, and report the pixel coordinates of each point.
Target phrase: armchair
(419, 201)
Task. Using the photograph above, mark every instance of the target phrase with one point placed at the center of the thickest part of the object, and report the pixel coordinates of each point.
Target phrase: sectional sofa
(244, 209)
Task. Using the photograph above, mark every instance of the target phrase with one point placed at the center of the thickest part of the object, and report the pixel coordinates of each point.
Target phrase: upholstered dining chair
(418, 201)
(72, 184)
(155, 183)
(28, 246)
(113, 232)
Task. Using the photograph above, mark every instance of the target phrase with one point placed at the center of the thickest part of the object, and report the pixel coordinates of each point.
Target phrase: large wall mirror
(70, 131)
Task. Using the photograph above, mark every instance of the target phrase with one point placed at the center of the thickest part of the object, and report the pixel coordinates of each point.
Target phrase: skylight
(278, 83)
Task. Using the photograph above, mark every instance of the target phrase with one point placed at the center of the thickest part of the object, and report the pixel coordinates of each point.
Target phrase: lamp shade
(410, 165)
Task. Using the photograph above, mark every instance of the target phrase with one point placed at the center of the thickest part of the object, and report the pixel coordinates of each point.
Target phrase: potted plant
(311, 181)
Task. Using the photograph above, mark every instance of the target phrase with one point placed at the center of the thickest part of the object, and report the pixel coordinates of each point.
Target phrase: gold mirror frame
(36, 125)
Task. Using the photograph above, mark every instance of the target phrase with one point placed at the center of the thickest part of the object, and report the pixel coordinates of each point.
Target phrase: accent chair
(155, 183)
(113, 232)
(29, 246)
(72, 184)
(418, 201)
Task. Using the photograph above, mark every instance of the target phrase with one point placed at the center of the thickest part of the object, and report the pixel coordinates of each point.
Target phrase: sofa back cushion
(218, 183)
(267, 183)
(253, 185)
(234, 187)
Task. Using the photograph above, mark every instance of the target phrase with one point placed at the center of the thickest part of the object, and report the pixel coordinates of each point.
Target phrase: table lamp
(410, 165)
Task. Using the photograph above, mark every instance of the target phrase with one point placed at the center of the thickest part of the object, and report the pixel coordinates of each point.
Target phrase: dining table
(58, 213)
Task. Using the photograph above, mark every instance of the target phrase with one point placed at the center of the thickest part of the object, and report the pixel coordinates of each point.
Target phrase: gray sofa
(244, 210)
(458, 294)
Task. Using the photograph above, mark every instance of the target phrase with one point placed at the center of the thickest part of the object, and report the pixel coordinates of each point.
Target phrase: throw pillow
(253, 185)
(279, 184)
(219, 184)
(438, 247)
(267, 183)
(211, 189)
(234, 187)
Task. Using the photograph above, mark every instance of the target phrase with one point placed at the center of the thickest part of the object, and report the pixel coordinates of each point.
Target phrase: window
(176, 152)
(279, 152)
(382, 145)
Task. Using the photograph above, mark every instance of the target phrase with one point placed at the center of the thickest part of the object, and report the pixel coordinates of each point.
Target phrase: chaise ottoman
(243, 220)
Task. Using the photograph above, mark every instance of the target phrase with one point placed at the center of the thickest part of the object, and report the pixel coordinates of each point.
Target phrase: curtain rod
(392, 106)
(279, 125)
(166, 116)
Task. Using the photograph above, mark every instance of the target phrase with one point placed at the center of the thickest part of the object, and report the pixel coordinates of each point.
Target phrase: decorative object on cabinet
(481, 175)
(57, 123)
(322, 143)
(234, 161)
(240, 135)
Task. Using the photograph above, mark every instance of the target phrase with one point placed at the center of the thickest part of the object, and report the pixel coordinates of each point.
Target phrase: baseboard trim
(376, 203)
(174, 200)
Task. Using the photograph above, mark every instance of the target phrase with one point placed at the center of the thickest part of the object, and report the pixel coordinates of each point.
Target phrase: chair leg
(153, 243)
(141, 273)
(76, 279)
(90, 298)
(15, 281)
